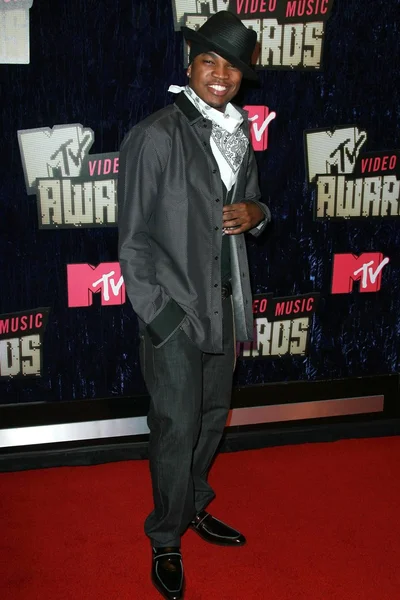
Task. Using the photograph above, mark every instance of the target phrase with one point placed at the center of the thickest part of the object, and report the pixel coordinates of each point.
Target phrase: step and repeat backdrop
(76, 75)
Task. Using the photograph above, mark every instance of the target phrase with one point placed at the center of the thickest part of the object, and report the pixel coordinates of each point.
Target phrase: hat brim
(194, 36)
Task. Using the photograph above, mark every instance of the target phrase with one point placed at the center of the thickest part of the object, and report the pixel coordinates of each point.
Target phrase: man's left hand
(240, 217)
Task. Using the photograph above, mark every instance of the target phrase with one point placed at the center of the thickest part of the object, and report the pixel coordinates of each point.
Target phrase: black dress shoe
(212, 530)
(167, 572)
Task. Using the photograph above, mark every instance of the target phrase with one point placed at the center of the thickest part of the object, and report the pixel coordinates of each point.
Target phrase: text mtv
(84, 280)
(260, 117)
(366, 268)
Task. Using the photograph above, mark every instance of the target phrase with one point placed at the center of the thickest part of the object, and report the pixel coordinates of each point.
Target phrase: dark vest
(226, 248)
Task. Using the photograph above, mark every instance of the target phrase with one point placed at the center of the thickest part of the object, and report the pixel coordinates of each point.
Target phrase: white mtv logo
(57, 152)
(105, 282)
(333, 152)
(198, 7)
(368, 275)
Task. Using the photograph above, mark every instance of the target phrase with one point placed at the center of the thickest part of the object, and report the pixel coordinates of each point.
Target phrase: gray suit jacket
(170, 197)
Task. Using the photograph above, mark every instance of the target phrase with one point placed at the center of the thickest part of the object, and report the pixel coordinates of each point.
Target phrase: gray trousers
(190, 399)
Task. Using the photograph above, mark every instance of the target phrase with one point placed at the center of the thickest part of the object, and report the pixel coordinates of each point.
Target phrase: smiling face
(214, 79)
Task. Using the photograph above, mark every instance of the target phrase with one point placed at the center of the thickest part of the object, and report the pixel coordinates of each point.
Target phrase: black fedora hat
(225, 34)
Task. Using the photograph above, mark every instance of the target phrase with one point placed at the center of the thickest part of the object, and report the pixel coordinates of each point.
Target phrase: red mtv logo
(366, 268)
(85, 280)
(260, 118)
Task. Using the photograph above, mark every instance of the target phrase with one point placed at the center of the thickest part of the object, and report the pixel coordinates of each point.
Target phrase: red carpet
(322, 522)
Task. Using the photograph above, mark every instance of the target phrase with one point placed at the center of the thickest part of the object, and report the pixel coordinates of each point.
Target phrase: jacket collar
(191, 112)
(188, 108)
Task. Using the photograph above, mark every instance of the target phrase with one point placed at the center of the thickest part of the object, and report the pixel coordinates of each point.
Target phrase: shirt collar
(191, 112)
(230, 120)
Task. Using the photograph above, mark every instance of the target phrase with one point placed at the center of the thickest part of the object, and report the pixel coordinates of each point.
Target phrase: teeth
(219, 88)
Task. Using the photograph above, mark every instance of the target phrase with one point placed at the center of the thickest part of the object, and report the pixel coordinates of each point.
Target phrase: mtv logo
(333, 152)
(57, 152)
(260, 117)
(196, 7)
(84, 280)
(366, 268)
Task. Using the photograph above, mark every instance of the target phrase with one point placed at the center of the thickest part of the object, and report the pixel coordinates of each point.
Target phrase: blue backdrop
(107, 65)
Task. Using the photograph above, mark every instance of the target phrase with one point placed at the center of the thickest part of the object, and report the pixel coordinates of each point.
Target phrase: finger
(238, 218)
(238, 212)
(237, 208)
(236, 230)
(231, 226)
(228, 221)
(229, 213)
(231, 216)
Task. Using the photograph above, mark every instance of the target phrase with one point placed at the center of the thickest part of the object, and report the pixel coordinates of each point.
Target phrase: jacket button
(216, 199)
(214, 171)
(216, 228)
(215, 284)
(216, 257)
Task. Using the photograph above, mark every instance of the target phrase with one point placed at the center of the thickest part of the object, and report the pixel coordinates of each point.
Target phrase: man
(188, 191)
